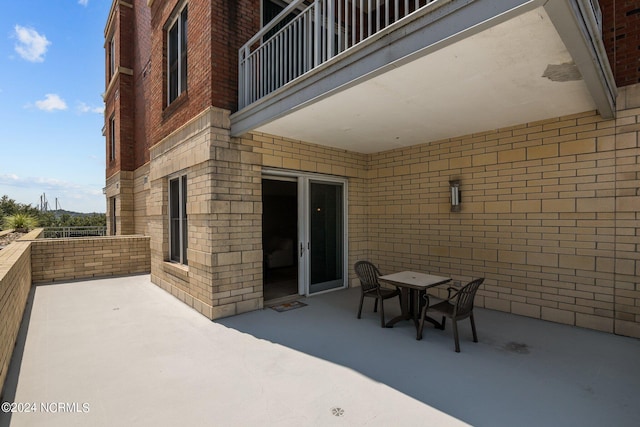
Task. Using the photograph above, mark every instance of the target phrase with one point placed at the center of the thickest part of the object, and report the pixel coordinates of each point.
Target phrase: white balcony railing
(593, 12)
(308, 33)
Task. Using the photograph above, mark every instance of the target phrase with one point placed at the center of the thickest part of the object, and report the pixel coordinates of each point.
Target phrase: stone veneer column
(120, 186)
(224, 275)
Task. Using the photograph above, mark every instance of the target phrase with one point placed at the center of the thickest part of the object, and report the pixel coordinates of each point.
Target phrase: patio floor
(124, 352)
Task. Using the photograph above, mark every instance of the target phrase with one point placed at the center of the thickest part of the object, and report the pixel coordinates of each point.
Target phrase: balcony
(369, 76)
(121, 351)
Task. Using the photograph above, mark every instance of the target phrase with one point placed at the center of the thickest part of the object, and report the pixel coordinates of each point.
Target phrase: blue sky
(51, 108)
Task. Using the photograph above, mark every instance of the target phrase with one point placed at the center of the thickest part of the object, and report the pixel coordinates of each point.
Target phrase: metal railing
(62, 232)
(595, 15)
(308, 33)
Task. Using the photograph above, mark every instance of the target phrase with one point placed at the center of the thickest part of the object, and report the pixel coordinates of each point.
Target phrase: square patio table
(411, 285)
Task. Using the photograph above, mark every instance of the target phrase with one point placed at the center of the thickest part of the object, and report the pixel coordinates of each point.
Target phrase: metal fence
(62, 232)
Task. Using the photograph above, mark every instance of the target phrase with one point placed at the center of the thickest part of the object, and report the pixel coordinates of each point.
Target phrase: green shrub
(20, 222)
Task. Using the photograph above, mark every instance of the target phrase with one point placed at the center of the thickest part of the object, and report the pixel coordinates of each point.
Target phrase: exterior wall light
(454, 187)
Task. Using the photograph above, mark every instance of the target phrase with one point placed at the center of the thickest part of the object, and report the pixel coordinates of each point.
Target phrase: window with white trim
(178, 219)
(177, 56)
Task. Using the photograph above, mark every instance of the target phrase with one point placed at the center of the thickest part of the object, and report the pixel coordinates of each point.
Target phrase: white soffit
(490, 80)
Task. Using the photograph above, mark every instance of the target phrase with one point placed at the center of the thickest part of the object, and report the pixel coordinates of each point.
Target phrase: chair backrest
(368, 275)
(465, 296)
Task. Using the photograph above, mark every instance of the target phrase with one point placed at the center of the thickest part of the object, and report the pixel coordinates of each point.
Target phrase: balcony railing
(64, 232)
(307, 34)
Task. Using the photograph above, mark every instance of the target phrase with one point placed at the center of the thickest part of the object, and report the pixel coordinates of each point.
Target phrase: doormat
(288, 306)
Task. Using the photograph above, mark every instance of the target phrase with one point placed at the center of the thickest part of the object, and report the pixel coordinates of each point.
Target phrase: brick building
(265, 156)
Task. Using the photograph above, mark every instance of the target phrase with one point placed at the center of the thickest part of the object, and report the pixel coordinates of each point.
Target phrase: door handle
(301, 249)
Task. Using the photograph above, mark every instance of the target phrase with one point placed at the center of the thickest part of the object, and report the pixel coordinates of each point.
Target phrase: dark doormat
(288, 306)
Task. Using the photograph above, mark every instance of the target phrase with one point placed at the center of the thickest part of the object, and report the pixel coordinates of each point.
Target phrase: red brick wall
(164, 119)
(141, 76)
(621, 34)
(233, 23)
(112, 166)
(216, 30)
(120, 98)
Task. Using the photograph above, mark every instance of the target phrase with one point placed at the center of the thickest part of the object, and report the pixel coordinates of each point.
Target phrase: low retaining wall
(56, 260)
(38, 233)
(15, 282)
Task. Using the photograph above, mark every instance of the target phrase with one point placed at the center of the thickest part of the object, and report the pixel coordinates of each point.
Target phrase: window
(112, 57)
(113, 215)
(177, 56)
(178, 219)
(271, 9)
(112, 137)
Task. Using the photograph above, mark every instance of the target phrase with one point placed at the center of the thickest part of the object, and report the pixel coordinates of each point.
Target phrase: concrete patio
(122, 351)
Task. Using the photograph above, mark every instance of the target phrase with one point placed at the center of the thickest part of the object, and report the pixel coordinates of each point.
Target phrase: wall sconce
(454, 187)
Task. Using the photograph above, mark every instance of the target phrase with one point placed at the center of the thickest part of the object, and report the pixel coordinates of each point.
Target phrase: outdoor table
(411, 285)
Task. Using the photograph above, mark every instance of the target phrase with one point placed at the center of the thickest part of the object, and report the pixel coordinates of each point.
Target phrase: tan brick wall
(224, 275)
(141, 191)
(15, 282)
(549, 213)
(549, 217)
(224, 272)
(626, 262)
(288, 154)
(56, 260)
(121, 186)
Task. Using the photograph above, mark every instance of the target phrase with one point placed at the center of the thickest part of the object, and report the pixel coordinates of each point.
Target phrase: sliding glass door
(321, 230)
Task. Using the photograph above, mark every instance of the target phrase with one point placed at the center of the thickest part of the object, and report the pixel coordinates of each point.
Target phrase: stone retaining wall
(55, 260)
(15, 282)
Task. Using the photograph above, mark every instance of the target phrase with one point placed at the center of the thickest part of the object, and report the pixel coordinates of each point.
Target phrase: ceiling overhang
(470, 67)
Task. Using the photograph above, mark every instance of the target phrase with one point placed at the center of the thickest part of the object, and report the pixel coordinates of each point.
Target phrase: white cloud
(8, 179)
(84, 108)
(74, 197)
(83, 2)
(31, 45)
(45, 183)
(51, 102)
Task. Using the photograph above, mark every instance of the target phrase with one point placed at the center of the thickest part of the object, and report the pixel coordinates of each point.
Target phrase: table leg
(404, 308)
(415, 310)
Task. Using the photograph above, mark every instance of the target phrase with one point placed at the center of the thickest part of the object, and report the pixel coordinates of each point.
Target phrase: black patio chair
(457, 306)
(370, 287)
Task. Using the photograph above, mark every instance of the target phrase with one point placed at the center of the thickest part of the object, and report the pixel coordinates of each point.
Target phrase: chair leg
(381, 312)
(361, 302)
(375, 306)
(444, 321)
(473, 328)
(455, 335)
